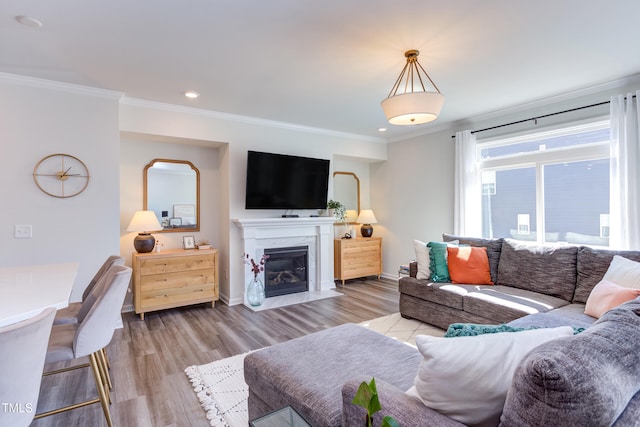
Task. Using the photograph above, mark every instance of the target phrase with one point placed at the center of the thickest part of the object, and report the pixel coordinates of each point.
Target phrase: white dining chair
(88, 337)
(70, 314)
(24, 346)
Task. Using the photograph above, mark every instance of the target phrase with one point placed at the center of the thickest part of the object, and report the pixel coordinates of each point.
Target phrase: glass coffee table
(286, 416)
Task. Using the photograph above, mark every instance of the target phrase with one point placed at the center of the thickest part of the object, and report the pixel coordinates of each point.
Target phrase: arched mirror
(172, 191)
(346, 189)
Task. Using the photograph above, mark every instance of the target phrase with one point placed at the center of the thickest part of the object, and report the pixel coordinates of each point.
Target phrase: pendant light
(409, 103)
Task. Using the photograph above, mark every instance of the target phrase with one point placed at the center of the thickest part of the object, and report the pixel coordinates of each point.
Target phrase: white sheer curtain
(467, 216)
(624, 215)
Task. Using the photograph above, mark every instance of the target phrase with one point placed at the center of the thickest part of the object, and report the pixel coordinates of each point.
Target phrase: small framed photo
(189, 242)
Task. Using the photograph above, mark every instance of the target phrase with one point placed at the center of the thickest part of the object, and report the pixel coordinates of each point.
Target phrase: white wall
(40, 119)
(412, 192)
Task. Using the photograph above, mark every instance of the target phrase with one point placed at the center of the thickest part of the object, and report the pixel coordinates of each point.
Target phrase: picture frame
(188, 242)
(187, 213)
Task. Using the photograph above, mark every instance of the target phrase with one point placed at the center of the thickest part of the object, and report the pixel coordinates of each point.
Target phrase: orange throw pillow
(469, 265)
(607, 295)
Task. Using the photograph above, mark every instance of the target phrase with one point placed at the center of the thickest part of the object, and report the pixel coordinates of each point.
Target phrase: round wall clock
(61, 175)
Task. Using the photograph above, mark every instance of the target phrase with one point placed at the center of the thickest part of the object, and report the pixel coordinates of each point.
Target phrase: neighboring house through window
(548, 186)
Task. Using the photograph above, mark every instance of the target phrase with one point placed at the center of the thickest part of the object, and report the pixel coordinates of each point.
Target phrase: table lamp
(366, 218)
(144, 222)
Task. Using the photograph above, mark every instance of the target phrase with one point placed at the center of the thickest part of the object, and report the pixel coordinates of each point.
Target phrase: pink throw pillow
(607, 295)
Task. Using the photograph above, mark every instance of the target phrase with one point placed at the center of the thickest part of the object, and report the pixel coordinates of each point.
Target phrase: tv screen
(277, 181)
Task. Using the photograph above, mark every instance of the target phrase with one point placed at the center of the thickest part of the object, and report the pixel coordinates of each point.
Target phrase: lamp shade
(144, 221)
(367, 217)
(412, 108)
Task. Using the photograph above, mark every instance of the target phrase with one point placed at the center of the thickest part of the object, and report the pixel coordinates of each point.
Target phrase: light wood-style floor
(148, 357)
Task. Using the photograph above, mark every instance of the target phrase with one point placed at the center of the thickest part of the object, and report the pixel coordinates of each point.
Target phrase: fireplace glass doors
(286, 271)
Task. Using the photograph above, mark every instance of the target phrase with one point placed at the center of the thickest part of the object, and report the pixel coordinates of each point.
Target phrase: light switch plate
(22, 231)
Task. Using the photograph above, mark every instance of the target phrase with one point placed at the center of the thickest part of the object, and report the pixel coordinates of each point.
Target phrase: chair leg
(101, 385)
(106, 357)
(104, 400)
(104, 371)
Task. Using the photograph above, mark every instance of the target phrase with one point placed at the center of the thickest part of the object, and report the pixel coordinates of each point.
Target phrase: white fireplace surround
(316, 233)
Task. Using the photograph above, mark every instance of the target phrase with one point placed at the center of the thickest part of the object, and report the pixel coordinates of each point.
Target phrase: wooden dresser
(358, 257)
(174, 278)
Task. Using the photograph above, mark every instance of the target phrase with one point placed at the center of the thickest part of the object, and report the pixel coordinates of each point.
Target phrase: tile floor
(401, 329)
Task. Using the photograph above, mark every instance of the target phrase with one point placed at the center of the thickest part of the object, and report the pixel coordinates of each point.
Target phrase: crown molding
(59, 86)
(136, 102)
(556, 99)
(526, 107)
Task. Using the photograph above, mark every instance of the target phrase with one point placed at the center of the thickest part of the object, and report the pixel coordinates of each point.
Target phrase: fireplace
(314, 233)
(286, 270)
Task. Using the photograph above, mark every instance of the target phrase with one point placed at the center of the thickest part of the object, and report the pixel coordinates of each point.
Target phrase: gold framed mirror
(172, 190)
(346, 189)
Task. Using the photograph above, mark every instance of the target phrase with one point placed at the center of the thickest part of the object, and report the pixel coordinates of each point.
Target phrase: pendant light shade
(409, 103)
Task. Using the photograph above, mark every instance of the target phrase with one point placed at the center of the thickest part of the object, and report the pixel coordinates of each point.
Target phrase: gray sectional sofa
(588, 379)
(528, 279)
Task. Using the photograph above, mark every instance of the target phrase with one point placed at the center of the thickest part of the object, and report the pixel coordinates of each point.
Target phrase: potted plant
(367, 397)
(336, 209)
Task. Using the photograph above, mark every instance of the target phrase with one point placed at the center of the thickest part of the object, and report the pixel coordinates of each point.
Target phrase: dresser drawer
(167, 298)
(170, 265)
(158, 282)
(360, 246)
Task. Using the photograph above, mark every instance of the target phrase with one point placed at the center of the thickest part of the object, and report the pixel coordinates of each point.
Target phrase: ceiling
(324, 64)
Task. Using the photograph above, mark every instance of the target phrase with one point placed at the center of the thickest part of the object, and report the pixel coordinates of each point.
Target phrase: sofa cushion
(469, 265)
(446, 294)
(438, 261)
(422, 259)
(592, 265)
(467, 378)
(624, 272)
(586, 379)
(550, 270)
(607, 295)
(494, 247)
(503, 303)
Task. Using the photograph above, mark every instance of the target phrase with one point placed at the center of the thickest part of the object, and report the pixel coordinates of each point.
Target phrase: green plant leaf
(367, 397)
(363, 396)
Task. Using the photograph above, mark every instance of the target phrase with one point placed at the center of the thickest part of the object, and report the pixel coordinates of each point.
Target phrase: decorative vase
(255, 292)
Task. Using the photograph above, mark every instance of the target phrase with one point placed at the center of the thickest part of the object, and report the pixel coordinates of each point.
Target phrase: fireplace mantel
(315, 232)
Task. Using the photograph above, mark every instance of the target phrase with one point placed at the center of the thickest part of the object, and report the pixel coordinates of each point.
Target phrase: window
(550, 186)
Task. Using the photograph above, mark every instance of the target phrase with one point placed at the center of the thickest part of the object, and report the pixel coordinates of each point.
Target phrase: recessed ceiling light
(29, 21)
(382, 129)
(191, 94)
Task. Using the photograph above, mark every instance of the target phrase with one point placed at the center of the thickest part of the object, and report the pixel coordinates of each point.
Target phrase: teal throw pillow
(473, 329)
(438, 261)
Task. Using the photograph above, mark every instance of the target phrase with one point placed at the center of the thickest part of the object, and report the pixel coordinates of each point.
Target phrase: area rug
(220, 385)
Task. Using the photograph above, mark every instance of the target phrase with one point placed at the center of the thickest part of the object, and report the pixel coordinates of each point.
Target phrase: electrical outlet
(22, 231)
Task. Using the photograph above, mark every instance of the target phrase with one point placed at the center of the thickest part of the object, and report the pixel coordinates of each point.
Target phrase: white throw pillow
(623, 272)
(467, 378)
(422, 258)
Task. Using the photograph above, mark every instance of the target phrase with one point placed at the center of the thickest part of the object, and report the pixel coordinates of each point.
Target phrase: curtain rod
(535, 119)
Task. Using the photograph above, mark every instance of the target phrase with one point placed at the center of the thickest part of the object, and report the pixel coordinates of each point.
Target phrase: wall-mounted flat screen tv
(277, 181)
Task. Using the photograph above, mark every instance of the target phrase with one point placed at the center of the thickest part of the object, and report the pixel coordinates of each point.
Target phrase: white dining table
(27, 290)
